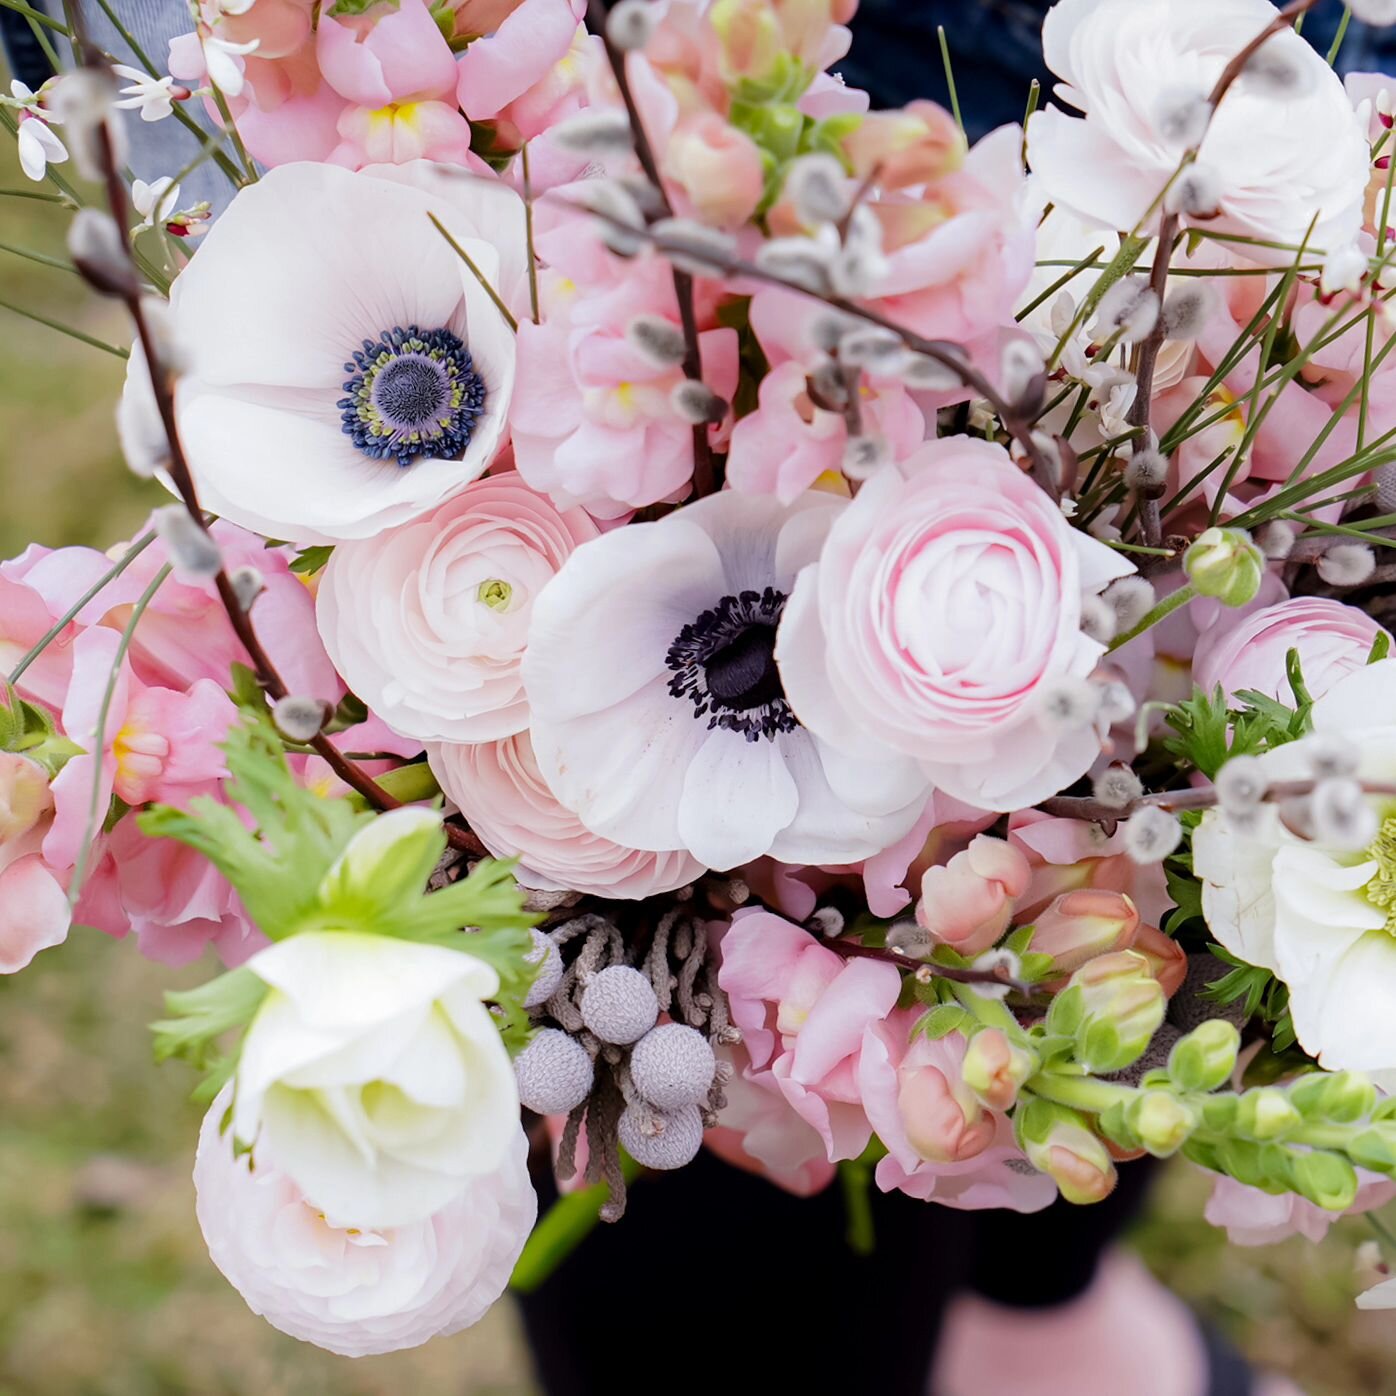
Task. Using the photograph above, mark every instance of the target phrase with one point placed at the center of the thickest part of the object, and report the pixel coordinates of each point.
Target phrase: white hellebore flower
(1322, 918)
(353, 1290)
(152, 97)
(659, 717)
(353, 379)
(156, 202)
(1279, 162)
(374, 1076)
(39, 146)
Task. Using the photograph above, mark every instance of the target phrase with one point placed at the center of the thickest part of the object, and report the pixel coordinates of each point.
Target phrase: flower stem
(1166, 607)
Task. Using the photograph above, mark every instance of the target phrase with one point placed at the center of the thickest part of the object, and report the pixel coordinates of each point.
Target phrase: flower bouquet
(699, 613)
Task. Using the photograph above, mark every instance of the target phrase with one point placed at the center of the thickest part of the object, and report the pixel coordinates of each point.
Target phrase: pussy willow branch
(1150, 516)
(182, 478)
(704, 471)
(942, 351)
(998, 976)
(1176, 801)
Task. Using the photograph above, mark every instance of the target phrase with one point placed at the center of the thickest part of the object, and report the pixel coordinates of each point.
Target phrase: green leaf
(1019, 940)
(310, 560)
(941, 1021)
(198, 1016)
(1381, 647)
(246, 692)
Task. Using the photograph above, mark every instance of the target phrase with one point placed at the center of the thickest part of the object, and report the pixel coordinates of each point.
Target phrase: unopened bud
(1132, 598)
(598, 131)
(926, 374)
(1160, 1121)
(1225, 564)
(696, 403)
(1079, 926)
(658, 339)
(83, 101)
(1098, 619)
(1330, 756)
(99, 252)
(1340, 1096)
(192, 551)
(815, 185)
(1187, 311)
(1069, 704)
(1181, 116)
(1276, 539)
(1346, 564)
(1241, 784)
(1058, 1143)
(1325, 1179)
(801, 262)
(871, 347)
(1206, 1057)
(631, 24)
(1343, 270)
(994, 1068)
(1146, 473)
(248, 584)
(298, 718)
(1152, 834)
(1342, 816)
(1122, 1006)
(1196, 193)
(1117, 788)
(1022, 373)
(1128, 311)
(692, 246)
(864, 456)
(1265, 1114)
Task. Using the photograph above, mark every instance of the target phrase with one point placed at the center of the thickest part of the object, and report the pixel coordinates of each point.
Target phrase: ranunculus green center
(494, 593)
(1381, 890)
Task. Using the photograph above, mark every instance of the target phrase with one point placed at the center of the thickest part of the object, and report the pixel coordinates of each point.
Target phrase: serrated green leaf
(312, 559)
(1381, 647)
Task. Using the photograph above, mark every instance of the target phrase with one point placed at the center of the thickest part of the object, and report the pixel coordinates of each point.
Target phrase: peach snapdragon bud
(1080, 925)
(968, 903)
(914, 146)
(995, 1067)
(1058, 1143)
(24, 796)
(942, 1124)
(750, 38)
(718, 167)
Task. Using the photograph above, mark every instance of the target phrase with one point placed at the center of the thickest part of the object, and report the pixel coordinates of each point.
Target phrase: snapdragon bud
(995, 1067)
(1160, 1121)
(1112, 1007)
(1081, 925)
(1206, 1057)
(1327, 1180)
(1058, 1143)
(1225, 564)
(1375, 1147)
(1266, 1114)
(1340, 1096)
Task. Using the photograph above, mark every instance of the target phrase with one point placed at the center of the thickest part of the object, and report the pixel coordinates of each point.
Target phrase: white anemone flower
(352, 372)
(1280, 161)
(659, 717)
(1320, 916)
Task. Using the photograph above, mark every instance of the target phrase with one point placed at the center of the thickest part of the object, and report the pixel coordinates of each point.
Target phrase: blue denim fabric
(996, 51)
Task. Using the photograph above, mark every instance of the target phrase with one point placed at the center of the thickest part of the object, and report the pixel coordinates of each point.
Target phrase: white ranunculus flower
(352, 372)
(1280, 162)
(358, 1291)
(373, 1075)
(1323, 919)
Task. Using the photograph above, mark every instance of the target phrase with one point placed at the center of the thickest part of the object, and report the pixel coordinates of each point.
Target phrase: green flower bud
(1121, 1007)
(1327, 1180)
(1161, 1121)
(1219, 1112)
(1375, 1148)
(1206, 1057)
(1225, 564)
(1265, 1113)
(1058, 1143)
(1257, 1165)
(1341, 1096)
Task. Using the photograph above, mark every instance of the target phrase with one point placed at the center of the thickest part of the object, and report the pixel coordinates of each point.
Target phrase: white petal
(737, 795)
(1238, 900)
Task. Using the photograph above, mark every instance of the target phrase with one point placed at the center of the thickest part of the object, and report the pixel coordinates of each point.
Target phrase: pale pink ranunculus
(803, 1010)
(500, 790)
(592, 419)
(968, 903)
(157, 743)
(1253, 1217)
(717, 167)
(942, 1145)
(352, 1290)
(1332, 640)
(450, 597)
(33, 905)
(943, 613)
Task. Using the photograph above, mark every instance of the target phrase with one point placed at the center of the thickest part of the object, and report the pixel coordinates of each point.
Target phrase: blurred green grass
(105, 1287)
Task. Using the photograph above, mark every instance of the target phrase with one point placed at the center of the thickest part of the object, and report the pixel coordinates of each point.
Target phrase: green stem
(410, 783)
(65, 329)
(528, 235)
(561, 1229)
(476, 272)
(950, 77)
(855, 1180)
(42, 258)
(35, 16)
(1166, 607)
(1079, 1092)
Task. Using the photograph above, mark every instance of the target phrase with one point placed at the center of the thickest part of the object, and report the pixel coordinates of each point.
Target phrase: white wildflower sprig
(153, 97)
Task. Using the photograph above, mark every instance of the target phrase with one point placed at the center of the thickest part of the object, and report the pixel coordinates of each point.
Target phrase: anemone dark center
(724, 663)
(412, 393)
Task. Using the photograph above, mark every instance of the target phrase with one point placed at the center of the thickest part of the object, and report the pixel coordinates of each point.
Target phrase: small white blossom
(39, 146)
(153, 97)
(156, 202)
(223, 61)
(1343, 270)
(1116, 702)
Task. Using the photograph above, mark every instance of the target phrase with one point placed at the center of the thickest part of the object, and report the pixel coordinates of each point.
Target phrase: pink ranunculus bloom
(803, 1009)
(943, 613)
(968, 903)
(1332, 640)
(941, 1143)
(157, 743)
(33, 904)
(453, 595)
(500, 790)
(717, 167)
(758, 1131)
(1253, 1217)
(516, 46)
(592, 420)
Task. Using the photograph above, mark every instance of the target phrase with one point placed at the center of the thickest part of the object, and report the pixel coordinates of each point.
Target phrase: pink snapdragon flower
(803, 1009)
(1253, 1217)
(968, 903)
(718, 167)
(33, 904)
(517, 45)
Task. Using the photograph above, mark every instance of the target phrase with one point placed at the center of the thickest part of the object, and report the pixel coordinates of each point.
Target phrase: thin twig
(1176, 801)
(998, 975)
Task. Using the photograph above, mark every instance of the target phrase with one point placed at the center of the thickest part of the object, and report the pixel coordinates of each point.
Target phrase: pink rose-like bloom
(447, 599)
(1332, 640)
(352, 1291)
(717, 167)
(941, 1144)
(1254, 1217)
(944, 609)
(803, 1010)
(502, 793)
(592, 420)
(157, 744)
(33, 905)
(969, 902)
